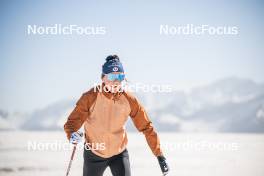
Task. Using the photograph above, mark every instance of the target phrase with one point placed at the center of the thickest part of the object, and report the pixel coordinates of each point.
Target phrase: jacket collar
(108, 94)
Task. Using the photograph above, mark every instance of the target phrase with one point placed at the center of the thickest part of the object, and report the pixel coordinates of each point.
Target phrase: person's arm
(77, 116)
(143, 124)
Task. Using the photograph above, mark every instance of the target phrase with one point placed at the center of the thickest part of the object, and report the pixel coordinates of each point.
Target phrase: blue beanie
(112, 64)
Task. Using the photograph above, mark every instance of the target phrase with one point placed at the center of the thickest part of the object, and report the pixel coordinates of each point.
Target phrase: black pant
(95, 165)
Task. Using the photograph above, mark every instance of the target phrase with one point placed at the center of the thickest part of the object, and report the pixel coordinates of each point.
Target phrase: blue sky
(36, 70)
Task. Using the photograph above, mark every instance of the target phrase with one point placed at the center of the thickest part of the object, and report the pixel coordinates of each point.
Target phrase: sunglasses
(112, 77)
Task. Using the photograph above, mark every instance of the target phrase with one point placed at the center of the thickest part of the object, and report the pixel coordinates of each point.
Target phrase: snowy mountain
(49, 118)
(227, 105)
(4, 123)
(11, 121)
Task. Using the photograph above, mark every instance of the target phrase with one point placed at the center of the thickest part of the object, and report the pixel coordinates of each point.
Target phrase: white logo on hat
(115, 69)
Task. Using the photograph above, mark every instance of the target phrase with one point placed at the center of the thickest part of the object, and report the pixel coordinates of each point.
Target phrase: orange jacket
(104, 115)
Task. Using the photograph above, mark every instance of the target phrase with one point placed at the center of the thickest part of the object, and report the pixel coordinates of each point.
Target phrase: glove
(163, 165)
(76, 137)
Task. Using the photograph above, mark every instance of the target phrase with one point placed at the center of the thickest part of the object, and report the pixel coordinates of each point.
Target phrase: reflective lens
(118, 77)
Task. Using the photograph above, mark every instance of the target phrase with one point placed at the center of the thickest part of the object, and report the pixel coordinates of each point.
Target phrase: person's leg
(93, 165)
(120, 165)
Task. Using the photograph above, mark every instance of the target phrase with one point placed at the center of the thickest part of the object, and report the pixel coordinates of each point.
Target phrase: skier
(104, 110)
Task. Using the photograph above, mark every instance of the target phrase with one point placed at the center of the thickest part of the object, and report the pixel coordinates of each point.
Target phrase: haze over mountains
(227, 105)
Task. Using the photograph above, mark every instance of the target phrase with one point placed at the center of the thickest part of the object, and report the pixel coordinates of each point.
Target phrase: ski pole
(70, 163)
(73, 152)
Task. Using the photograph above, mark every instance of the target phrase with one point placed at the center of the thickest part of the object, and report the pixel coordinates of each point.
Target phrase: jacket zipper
(109, 126)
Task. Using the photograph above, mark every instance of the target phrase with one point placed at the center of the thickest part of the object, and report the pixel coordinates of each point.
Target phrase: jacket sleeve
(77, 116)
(143, 124)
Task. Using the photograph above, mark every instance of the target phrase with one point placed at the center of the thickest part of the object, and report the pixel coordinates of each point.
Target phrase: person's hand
(163, 164)
(76, 137)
